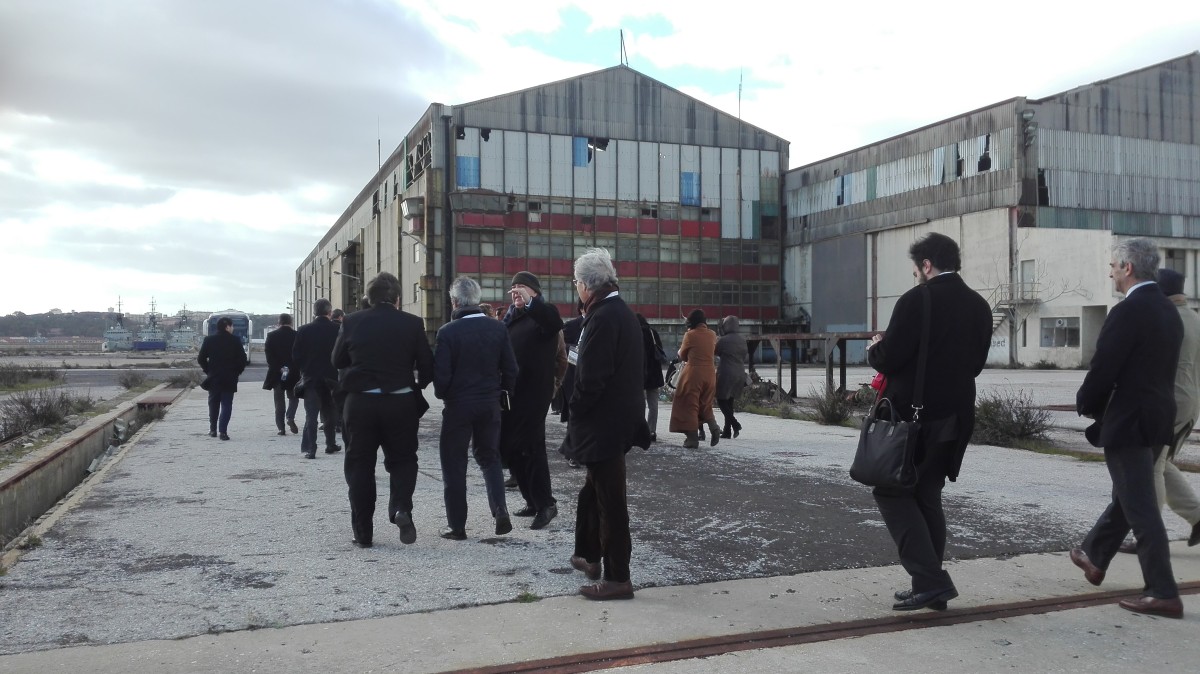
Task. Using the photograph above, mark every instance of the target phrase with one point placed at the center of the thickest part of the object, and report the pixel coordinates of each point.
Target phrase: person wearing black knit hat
(697, 389)
(533, 327)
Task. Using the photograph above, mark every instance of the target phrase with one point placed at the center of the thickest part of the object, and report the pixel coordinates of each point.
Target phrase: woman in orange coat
(692, 407)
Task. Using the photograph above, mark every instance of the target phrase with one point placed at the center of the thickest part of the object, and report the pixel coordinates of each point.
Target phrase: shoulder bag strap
(922, 357)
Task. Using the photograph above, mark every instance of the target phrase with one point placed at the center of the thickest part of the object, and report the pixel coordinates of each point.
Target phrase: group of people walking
(497, 379)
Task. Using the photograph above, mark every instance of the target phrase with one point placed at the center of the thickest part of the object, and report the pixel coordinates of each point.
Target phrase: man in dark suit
(533, 327)
(960, 332)
(472, 363)
(606, 420)
(1129, 390)
(311, 353)
(380, 349)
(223, 359)
(281, 374)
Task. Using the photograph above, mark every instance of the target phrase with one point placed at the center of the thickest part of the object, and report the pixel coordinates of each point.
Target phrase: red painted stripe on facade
(647, 269)
(689, 228)
(714, 271)
(770, 273)
(492, 265)
(669, 227)
(466, 264)
(626, 268)
(710, 230)
(689, 271)
(472, 219)
(668, 270)
(562, 267)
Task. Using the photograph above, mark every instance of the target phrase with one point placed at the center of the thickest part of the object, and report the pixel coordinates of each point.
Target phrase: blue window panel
(689, 188)
(580, 152)
(468, 171)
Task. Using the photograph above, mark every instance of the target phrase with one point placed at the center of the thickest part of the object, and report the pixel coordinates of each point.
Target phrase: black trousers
(602, 519)
(284, 409)
(916, 521)
(388, 422)
(220, 409)
(523, 443)
(726, 406)
(478, 425)
(318, 402)
(1134, 506)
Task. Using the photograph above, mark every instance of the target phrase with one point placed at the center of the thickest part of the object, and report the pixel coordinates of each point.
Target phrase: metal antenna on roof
(624, 54)
(378, 144)
(740, 93)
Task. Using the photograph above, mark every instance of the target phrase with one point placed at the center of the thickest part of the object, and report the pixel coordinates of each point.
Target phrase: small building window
(1060, 332)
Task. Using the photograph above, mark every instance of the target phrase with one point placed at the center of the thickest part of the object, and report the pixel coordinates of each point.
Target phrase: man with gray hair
(1170, 487)
(605, 422)
(473, 362)
(1129, 391)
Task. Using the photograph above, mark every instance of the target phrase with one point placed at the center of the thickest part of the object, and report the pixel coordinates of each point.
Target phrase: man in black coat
(223, 359)
(960, 332)
(1130, 391)
(472, 363)
(281, 374)
(606, 420)
(380, 349)
(311, 353)
(533, 327)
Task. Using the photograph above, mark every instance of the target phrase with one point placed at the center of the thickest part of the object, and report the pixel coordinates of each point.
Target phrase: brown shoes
(592, 571)
(1167, 608)
(1094, 574)
(607, 589)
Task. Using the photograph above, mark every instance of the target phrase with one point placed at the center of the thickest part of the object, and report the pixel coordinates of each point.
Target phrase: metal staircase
(1007, 298)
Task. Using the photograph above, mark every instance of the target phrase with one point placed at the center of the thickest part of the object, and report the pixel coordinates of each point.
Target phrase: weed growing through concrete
(1008, 418)
(33, 542)
(147, 414)
(131, 379)
(186, 379)
(830, 407)
(527, 598)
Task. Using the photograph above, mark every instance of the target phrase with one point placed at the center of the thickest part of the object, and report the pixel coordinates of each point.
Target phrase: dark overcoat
(733, 354)
(223, 359)
(607, 402)
(533, 333)
(571, 330)
(652, 372)
(382, 348)
(960, 335)
(1130, 384)
(312, 351)
(278, 349)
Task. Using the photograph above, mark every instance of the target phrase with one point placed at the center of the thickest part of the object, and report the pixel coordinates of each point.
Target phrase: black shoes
(654, 437)
(527, 511)
(224, 436)
(408, 532)
(503, 525)
(361, 544)
(281, 432)
(449, 533)
(510, 483)
(309, 455)
(907, 600)
(1194, 539)
(543, 517)
(212, 432)
(292, 426)
(715, 432)
(332, 449)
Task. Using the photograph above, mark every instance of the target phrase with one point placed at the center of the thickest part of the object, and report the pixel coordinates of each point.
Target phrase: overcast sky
(195, 151)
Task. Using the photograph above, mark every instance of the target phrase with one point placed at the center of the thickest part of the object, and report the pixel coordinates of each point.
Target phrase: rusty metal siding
(616, 103)
(516, 165)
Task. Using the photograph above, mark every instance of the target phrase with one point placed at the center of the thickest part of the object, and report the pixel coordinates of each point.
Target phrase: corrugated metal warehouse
(684, 196)
(1035, 191)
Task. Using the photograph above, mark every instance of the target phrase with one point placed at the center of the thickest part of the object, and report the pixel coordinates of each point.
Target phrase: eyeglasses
(577, 282)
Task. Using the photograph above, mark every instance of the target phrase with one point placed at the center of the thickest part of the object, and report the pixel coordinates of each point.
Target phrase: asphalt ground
(182, 535)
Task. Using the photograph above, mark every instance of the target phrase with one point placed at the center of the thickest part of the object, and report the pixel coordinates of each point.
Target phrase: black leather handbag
(887, 448)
